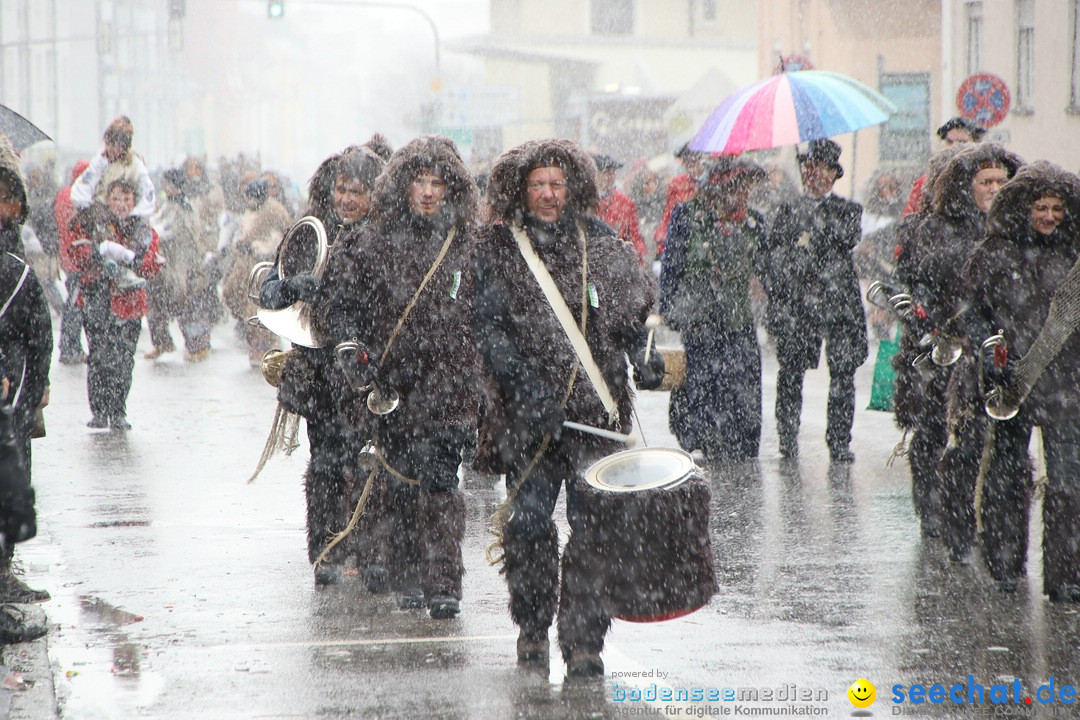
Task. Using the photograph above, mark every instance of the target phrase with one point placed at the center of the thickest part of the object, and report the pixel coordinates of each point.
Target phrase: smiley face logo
(862, 693)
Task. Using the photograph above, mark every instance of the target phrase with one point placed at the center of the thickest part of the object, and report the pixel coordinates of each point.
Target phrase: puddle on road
(101, 668)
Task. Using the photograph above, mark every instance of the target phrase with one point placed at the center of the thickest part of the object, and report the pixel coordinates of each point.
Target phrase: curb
(36, 699)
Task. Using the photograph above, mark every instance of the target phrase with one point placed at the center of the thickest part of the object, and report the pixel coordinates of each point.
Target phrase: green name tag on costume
(594, 300)
(455, 285)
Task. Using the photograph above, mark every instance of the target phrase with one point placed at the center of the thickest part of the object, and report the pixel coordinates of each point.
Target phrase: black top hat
(824, 151)
(606, 162)
(962, 123)
(729, 170)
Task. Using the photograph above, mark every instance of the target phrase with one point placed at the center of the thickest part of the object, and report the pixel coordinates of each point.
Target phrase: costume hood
(506, 188)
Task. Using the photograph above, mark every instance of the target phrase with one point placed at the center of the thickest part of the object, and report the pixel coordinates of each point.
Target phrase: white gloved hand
(116, 252)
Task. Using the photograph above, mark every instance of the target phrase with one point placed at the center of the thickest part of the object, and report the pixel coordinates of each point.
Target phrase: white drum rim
(681, 471)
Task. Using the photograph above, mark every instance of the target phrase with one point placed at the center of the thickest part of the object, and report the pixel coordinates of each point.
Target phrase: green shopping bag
(881, 392)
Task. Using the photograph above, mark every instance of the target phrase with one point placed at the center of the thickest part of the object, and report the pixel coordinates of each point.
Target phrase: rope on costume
(984, 469)
(396, 475)
(899, 451)
(283, 432)
(357, 512)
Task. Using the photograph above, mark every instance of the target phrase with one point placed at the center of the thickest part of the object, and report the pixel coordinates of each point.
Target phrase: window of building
(905, 136)
(974, 22)
(612, 17)
(1025, 55)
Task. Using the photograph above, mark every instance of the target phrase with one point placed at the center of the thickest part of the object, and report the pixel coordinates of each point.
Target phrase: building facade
(1034, 47)
(603, 72)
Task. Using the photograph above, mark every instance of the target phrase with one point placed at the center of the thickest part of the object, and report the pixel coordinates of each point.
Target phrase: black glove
(18, 519)
(648, 374)
(301, 287)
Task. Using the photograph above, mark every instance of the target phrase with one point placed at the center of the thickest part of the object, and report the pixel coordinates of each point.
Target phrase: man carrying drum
(542, 256)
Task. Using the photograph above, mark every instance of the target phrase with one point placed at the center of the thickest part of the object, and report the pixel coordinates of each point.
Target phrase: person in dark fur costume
(417, 244)
(962, 185)
(542, 194)
(312, 383)
(814, 298)
(1029, 249)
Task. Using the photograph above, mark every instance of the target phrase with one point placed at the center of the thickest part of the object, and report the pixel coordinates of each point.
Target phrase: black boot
(14, 590)
(15, 629)
(442, 530)
(532, 576)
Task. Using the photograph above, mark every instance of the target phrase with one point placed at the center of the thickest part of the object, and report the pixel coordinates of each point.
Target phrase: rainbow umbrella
(788, 109)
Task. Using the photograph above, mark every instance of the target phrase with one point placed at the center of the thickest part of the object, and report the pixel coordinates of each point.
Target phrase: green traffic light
(275, 10)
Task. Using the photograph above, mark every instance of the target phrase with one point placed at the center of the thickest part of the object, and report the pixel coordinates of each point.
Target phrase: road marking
(361, 642)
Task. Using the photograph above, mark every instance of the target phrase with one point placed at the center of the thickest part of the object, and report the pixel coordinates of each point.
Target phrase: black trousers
(112, 355)
(426, 522)
(796, 355)
(328, 485)
(1061, 505)
(718, 409)
(71, 322)
(530, 541)
(1005, 498)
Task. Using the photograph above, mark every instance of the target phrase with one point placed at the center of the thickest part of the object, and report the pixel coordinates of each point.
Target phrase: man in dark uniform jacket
(813, 296)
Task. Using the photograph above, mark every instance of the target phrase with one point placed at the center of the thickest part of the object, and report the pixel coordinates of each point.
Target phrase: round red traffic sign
(984, 98)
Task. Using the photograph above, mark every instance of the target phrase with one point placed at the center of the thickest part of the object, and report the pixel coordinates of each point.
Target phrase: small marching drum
(674, 368)
(644, 534)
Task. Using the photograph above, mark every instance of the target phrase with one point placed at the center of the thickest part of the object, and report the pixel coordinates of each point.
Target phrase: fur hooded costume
(528, 361)
(1014, 272)
(374, 272)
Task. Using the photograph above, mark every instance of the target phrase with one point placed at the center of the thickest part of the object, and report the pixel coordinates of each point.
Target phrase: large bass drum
(643, 535)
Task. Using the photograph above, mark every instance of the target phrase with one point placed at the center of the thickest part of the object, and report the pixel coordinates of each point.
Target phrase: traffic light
(275, 9)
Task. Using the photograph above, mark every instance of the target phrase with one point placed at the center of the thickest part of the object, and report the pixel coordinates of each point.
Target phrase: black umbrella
(21, 132)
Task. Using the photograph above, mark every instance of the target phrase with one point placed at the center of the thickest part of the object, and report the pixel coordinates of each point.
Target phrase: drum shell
(648, 551)
(674, 368)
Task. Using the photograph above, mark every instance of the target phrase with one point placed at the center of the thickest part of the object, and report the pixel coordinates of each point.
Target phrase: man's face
(817, 177)
(957, 136)
(546, 193)
(121, 202)
(427, 193)
(986, 185)
(352, 200)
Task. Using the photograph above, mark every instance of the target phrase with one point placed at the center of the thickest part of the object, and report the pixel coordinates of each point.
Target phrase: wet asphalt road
(181, 591)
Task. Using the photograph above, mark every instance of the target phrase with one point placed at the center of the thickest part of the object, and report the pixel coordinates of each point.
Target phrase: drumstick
(627, 440)
(652, 322)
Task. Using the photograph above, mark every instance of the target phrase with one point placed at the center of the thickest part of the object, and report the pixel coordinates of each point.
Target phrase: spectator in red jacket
(683, 187)
(615, 208)
(113, 256)
(71, 322)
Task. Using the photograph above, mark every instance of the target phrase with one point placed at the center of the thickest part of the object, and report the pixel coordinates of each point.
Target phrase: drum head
(641, 469)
